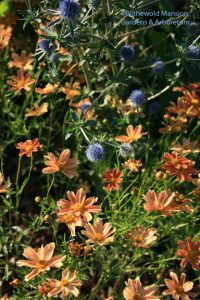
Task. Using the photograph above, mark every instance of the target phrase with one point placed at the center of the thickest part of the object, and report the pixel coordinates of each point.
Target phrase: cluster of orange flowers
(187, 107)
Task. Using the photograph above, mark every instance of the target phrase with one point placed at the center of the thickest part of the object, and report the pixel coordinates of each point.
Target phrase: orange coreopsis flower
(98, 232)
(69, 284)
(45, 288)
(186, 147)
(135, 290)
(21, 81)
(133, 134)
(22, 61)
(113, 178)
(180, 203)
(132, 165)
(179, 289)
(63, 164)
(79, 205)
(142, 237)
(28, 147)
(40, 260)
(48, 89)
(180, 166)
(3, 187)
(38, 110)
(71, 91)
(162, 202)
(5, 35)
(190, 252)
(70, 220)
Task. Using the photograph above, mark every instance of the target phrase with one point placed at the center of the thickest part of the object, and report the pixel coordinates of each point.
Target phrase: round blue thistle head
(194, 51)
(69, 9)
(94, 3)
(95, 152)
(127, 52)
(193, 28)
(125, 150)
(154, 106)
(137, 97)
(85, 106)
(47, 45)
(158, 67)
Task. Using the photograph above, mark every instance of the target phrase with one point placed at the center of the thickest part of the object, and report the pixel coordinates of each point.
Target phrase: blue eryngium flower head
(193, 28)
(125, 150)
(158, 67)
(137, 97)
(94, 3)
(69, 9)
(127, 52)
(194, 51)
(47, 45)
(154, 106)
(95, 152)
(85, 106)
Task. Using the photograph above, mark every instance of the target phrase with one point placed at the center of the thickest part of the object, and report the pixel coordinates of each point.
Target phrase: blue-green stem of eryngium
(95, 152)
(47, 45)
(127, 52)
(68, 9)
(158, 67)
(194, 51)
(137, 97)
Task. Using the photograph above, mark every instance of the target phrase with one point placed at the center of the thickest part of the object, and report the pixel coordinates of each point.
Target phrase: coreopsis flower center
(194, 101)
(77, 206)
(42, 264)
(179, 290)
(137, 297)
(64, 282)
(68, 218)
(28, 147)
(112, 180)
(138, 239)
(98, 237)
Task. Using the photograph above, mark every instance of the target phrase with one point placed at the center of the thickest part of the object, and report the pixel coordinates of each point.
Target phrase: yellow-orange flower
(38, 110)
(71, 91)
(63, 164)
(48, 89)
(133, 134)
(162, 202)
(98, 232)
(135, 291)
(69, 284)
(180, 166)
(3, 187)
(21, 81)
(40, 260)
(5, 35)
(132, 165)
(141, 237)
(186, 147)
(179, 289)
(28, 147)
(22, 61)
(79, 205)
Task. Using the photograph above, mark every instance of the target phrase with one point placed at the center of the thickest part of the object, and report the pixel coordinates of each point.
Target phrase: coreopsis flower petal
(135, 290)
(98, 232)
(28, 147)
(40, 260)
(63, 164)
(133, 134)
(179, 289)
(190, 252)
